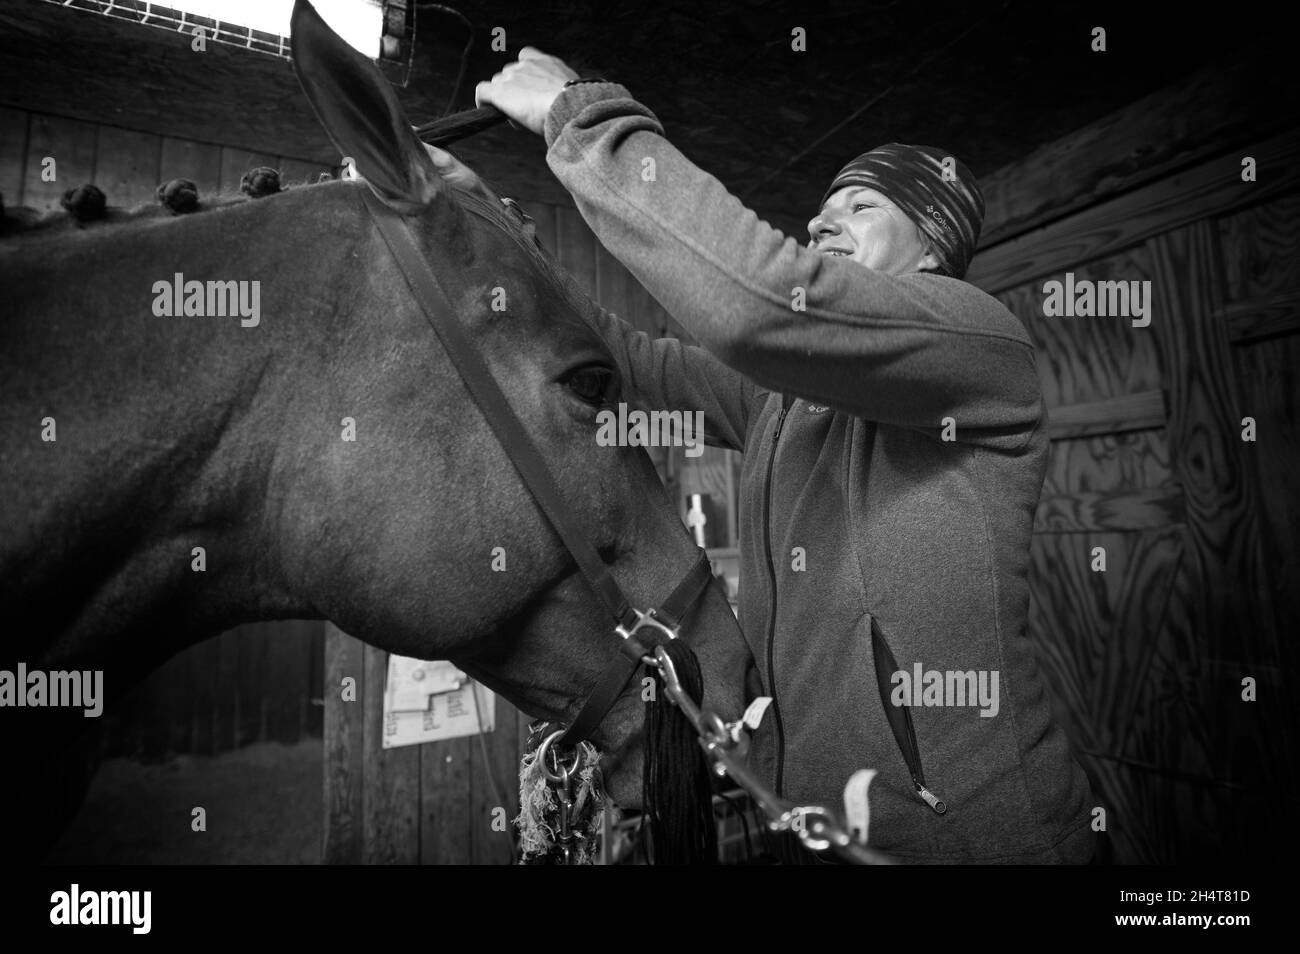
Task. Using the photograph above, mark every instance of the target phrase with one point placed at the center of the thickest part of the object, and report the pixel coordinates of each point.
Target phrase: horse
(168, 475)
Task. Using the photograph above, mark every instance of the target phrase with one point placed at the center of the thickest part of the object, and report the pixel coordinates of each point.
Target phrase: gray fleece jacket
(840, 411)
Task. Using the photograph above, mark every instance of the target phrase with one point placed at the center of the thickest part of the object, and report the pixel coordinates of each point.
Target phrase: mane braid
(20, 221)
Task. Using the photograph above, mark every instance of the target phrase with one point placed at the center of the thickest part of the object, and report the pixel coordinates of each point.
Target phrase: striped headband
(932, 188)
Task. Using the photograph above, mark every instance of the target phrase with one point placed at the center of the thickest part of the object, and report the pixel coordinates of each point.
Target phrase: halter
(656, 624)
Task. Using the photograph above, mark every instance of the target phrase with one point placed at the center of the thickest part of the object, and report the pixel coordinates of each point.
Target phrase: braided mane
(87, 206)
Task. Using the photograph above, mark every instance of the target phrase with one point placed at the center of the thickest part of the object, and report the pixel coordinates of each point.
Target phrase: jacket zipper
(771, 581)
(912, 755)
(904, 733)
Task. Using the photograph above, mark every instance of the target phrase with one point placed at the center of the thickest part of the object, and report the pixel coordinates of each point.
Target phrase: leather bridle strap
(526, 458)
(491, 402)
(621, 668)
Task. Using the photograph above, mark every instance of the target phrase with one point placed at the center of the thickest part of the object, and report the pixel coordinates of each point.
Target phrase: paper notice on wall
(429, 701)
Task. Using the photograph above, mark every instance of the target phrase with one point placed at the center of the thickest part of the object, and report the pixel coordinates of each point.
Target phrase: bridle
(639, 630)
(642, 633)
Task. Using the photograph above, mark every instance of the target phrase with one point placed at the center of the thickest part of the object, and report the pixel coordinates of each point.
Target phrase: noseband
(640, 631)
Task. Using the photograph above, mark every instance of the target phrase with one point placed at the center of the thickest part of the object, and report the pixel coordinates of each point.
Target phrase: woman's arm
(906, 350)
(664, 374)
(655, 374)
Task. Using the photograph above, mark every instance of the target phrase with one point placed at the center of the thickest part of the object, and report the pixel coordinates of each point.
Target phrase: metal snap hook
(562, 774)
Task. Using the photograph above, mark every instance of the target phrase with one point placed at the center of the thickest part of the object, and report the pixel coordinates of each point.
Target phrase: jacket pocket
(900, 718)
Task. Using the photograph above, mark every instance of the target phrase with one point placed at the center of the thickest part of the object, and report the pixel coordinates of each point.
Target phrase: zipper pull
(931, 799)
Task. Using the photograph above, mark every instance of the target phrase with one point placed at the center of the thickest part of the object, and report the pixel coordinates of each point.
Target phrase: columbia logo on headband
(939, 217)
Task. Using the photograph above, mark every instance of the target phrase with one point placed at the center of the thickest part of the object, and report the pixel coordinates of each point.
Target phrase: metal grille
(163, 17)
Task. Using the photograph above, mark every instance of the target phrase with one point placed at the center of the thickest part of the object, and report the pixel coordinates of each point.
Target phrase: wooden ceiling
(989, 80)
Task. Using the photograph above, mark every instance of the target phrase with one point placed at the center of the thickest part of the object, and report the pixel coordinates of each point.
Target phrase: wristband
(586, 79)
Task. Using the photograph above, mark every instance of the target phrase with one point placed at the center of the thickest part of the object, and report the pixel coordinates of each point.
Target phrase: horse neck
(167, 428)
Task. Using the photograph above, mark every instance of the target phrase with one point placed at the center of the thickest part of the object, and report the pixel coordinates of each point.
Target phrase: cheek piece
(932, 188)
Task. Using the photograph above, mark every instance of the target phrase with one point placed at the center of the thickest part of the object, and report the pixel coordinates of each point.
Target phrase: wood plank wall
(1201, 529)
(433, 803)
(256, 683)
(127, 164)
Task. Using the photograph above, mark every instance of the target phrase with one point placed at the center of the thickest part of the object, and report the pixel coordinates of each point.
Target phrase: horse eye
(591, 384)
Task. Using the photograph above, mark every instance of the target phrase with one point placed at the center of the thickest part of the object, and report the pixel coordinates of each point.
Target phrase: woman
(895, 443)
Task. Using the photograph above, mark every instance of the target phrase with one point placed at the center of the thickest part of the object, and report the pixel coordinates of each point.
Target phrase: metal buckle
(643, 620)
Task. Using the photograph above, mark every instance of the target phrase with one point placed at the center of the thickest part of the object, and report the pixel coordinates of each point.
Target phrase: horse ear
(361, 114)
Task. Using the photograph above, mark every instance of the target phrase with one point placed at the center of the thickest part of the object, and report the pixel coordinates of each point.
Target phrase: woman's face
(859, 223)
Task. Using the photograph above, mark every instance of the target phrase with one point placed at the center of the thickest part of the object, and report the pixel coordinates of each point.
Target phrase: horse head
(440, 550)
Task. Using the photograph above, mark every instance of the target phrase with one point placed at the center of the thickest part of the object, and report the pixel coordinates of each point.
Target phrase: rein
(449, 129)
(646, 637)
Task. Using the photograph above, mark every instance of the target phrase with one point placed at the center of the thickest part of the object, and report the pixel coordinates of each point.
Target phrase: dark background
(988, 81)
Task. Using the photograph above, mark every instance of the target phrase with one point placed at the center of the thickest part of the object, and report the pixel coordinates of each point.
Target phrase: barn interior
(1125, 164)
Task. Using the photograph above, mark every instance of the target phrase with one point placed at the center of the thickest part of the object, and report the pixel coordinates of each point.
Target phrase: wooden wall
(255, 683)
(1201, 530)
(100, 69)
(432, 803)
(127, 164)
